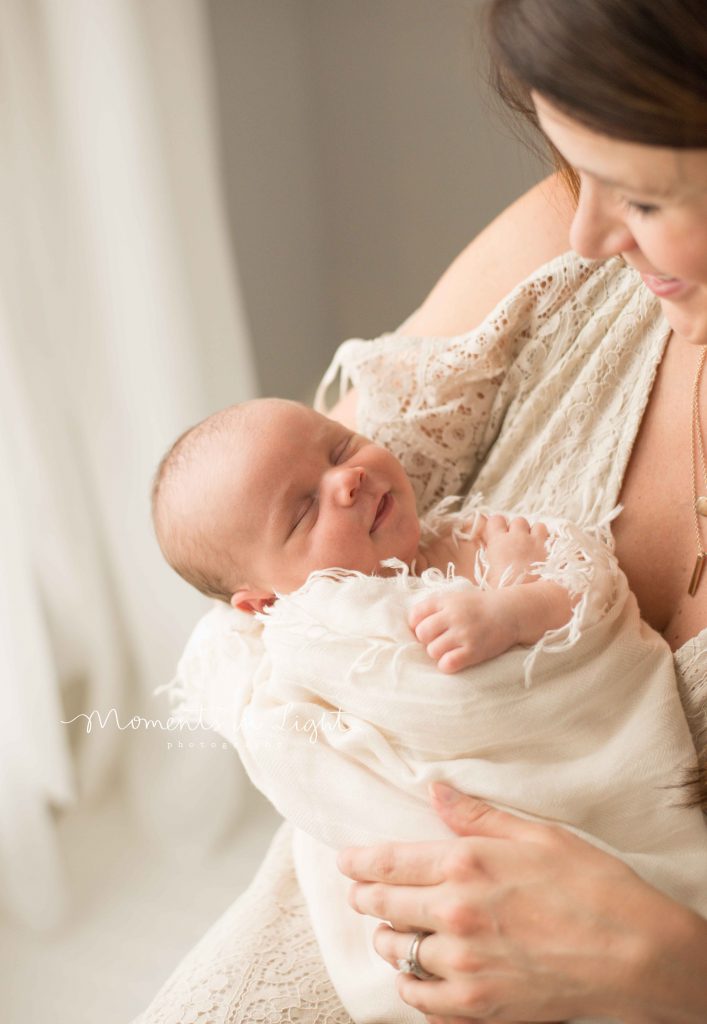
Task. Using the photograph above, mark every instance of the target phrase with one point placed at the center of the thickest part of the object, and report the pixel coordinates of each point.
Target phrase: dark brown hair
(630, 69)
(633, 70)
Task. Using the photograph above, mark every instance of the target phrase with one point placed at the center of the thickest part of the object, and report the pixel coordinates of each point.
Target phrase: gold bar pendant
(696, 575)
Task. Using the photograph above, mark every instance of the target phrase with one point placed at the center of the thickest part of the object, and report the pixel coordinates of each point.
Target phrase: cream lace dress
(537, 409)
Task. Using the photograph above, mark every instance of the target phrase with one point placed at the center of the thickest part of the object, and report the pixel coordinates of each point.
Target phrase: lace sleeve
(432, 401)
(426, 400)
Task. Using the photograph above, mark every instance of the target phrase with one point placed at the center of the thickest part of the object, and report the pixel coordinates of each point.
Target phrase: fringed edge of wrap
(589, 572)
(581, 560)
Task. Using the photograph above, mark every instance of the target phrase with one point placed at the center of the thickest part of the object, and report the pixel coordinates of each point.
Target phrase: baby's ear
(252, 600)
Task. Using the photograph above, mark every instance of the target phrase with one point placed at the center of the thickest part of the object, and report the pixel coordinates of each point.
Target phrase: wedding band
(411, 965)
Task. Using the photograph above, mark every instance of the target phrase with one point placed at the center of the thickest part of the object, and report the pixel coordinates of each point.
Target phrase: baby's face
(300, 492)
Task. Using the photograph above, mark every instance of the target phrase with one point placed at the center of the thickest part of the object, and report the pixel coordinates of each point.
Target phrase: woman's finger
(394, 946)
(403, 906)
(468, 816)
(442, 954)
(396, 863)
(455, 1020)
(435, 1019)
(434, 952)
(447, 999)
(448, 910)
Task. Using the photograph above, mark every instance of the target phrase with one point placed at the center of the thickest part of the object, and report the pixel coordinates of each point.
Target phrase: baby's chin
(366, 569)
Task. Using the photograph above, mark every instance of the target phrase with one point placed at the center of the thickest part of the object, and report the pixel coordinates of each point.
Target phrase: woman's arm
(530, 923)
(533, 230)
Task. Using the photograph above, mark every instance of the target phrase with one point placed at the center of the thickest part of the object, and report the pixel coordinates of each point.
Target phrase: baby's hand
(516, 545)
(461, 628)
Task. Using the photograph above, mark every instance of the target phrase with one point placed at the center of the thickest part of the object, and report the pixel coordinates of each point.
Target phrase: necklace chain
(697, 446)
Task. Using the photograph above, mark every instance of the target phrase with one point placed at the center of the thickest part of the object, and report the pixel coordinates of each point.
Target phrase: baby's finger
(540, 531)
(519, 525)
(496, 525)
(441, 645)
(431, 628)
(454, 660)
(421, 611)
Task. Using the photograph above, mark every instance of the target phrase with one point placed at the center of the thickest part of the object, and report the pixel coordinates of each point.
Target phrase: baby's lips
(382, 510)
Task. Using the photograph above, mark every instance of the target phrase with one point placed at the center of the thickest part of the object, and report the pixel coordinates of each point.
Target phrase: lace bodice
(538, 409)
(259, 964)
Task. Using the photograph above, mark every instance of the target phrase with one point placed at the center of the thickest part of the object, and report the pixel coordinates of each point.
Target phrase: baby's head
(251, 500)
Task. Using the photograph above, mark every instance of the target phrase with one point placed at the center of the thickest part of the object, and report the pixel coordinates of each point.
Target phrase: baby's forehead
(262, 432)
(260, 445)
(268, 420)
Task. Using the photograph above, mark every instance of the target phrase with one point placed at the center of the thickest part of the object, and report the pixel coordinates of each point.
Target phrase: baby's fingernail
(444, 794)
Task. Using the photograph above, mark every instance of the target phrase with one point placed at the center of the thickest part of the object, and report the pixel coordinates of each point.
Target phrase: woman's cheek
(678, 249)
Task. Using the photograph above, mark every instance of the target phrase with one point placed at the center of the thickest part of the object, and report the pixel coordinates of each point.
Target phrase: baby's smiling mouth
(384, 506)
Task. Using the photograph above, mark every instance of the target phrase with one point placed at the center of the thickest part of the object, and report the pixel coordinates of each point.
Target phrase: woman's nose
(598, 229)
(345, 483)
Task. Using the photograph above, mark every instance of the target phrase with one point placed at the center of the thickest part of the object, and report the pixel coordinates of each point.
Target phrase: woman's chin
(688, 325)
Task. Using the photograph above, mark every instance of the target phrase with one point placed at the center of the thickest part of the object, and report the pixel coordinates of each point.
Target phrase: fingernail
(444, 794)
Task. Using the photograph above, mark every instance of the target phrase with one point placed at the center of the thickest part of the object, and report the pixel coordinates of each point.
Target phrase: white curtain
(120, 324)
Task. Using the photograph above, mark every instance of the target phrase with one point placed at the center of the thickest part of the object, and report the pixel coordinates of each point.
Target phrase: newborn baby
(253, 499)
(336, 710)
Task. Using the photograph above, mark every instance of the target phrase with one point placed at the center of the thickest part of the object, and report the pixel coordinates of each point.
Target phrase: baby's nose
(347, 482)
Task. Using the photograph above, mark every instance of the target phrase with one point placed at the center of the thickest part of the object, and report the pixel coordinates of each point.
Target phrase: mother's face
(647, 203)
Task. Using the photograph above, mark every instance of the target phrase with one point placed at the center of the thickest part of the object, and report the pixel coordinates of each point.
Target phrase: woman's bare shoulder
(533, 230)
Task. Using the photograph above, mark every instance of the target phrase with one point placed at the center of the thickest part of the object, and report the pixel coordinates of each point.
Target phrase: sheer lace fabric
(258, 964)
(537, 409)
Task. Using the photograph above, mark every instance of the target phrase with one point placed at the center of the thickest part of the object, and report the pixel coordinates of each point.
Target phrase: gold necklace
(700, 502)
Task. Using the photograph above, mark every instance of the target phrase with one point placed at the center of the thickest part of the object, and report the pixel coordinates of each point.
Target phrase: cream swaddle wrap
(342, 720)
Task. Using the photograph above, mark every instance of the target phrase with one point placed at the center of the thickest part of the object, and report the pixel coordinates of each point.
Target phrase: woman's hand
(528, 922)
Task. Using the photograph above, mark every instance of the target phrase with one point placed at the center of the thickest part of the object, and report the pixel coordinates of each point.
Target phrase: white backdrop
(120, 324)
(358, 157)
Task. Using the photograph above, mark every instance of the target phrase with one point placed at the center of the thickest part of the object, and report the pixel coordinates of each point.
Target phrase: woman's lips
(664, 287)
(383, 510)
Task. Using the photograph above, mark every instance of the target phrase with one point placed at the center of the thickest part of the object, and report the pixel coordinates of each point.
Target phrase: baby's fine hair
(211, 571)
